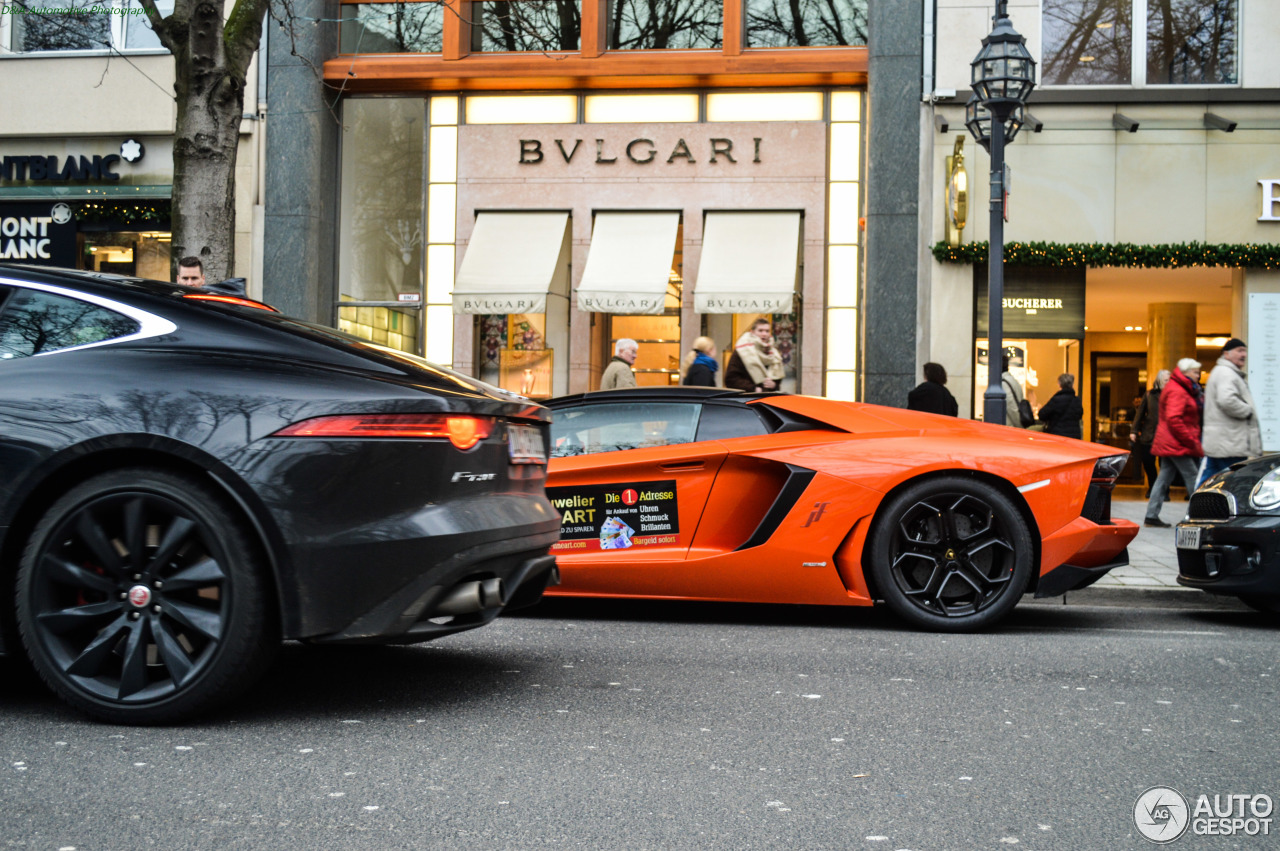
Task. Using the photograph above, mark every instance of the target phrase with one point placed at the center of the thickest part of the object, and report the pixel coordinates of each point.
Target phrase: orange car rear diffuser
(616, 517)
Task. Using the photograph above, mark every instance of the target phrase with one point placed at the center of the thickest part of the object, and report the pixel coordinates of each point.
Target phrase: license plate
(524, 443)
(1188, 537)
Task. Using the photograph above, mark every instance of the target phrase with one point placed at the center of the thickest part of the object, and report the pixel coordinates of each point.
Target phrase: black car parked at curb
(1229, 542)
(187, 478)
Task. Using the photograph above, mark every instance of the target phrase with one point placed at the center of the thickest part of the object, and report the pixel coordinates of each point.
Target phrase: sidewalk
(1151, 577)
(1153, 561)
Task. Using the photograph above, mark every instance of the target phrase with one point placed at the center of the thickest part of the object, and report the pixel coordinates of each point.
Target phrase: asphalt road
(638, 726)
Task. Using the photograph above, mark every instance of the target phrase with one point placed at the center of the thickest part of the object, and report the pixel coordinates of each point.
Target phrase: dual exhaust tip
(474, 596)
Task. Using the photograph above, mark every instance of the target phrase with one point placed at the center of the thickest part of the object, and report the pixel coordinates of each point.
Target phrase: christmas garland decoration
(155, 212)
(1248, 256)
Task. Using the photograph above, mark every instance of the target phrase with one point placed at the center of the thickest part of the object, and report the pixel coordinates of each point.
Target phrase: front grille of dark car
(1097, 505)
(1209, 506)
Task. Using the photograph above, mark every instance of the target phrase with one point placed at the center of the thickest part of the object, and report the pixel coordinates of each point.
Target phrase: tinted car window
(724, 421)
(627, 425)
(34, 322)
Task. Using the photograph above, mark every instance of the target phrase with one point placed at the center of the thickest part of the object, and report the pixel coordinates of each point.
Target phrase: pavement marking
(1120, 629)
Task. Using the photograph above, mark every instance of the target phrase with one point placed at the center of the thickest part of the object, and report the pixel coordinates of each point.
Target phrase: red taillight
(462, 430)
(230, 299)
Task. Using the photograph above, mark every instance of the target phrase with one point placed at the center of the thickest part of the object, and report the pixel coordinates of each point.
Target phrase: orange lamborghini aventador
(705, 494)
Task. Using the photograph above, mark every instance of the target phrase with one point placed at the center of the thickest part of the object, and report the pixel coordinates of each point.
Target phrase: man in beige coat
(1231, 430)
(618, 375)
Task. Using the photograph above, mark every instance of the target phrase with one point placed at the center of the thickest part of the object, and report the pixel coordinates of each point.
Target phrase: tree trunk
(211, 57)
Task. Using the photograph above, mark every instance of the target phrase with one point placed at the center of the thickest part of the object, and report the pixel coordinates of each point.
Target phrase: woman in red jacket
(1177, 442)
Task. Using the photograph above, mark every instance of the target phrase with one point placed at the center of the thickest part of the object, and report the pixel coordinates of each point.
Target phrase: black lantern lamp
(978, 119)
(1003, 72)
(1003, 75)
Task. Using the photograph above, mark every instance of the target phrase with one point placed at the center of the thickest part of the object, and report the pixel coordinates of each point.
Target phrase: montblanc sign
(40, 168)
(40, 234)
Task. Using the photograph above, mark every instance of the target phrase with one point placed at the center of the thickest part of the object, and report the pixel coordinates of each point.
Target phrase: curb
(1147, 598)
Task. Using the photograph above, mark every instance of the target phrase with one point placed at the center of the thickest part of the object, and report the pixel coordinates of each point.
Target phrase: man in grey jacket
(1012, 395)
(1231, 431)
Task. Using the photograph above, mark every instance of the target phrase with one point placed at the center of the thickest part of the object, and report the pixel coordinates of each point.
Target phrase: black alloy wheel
(951, 554)
(141, 599)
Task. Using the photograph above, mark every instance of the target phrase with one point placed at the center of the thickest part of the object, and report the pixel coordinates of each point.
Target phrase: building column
(300, 261)
(1171, 335)
(889, 315)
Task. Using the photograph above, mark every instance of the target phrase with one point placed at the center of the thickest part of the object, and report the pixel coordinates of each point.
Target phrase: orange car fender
(801, 563)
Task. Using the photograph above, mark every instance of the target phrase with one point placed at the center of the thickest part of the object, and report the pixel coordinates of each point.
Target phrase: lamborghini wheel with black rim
(951, 554)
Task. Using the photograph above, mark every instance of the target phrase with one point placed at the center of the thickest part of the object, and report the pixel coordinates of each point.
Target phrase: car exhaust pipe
(493, 592)
(474, 596)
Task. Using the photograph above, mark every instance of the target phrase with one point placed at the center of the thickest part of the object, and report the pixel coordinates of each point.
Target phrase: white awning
(629, 264)
(513, 261)
(749, 264)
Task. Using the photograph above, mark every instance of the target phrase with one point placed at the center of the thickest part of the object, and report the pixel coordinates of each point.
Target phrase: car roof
(205, 328)
(112, 285)
(90, 279)
(659, 394)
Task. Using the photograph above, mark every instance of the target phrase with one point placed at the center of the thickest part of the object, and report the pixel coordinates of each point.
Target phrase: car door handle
(676, 466)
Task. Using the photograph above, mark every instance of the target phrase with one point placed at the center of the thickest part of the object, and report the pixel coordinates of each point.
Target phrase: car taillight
(230, 299)
(462, 430)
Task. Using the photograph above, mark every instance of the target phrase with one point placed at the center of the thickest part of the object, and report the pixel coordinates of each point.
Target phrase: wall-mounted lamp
(1217, 122)
(1124, 122)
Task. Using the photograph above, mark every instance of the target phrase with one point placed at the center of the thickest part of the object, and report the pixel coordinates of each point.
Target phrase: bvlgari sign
(641, 151)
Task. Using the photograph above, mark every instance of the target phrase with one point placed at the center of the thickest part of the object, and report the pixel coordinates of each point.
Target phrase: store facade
(95, 202)
(86, 146)
(528, 247)
(1141, 220)
(512, 199)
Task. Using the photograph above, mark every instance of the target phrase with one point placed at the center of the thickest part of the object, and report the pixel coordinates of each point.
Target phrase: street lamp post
(1003, 74)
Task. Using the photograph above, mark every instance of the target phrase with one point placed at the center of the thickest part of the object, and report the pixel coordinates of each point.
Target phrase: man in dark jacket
(1062, 413)
(1144, 428)
(931, 396)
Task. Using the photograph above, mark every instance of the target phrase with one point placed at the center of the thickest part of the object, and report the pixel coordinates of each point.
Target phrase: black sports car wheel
(951, 554)
(141, 599)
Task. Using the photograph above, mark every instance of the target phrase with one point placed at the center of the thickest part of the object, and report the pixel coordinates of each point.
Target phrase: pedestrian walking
(700, 364)
(1177, 440)
(931, 396)
(1063, 412)
(618, 375)
(1231, 430)
(1144, 428)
